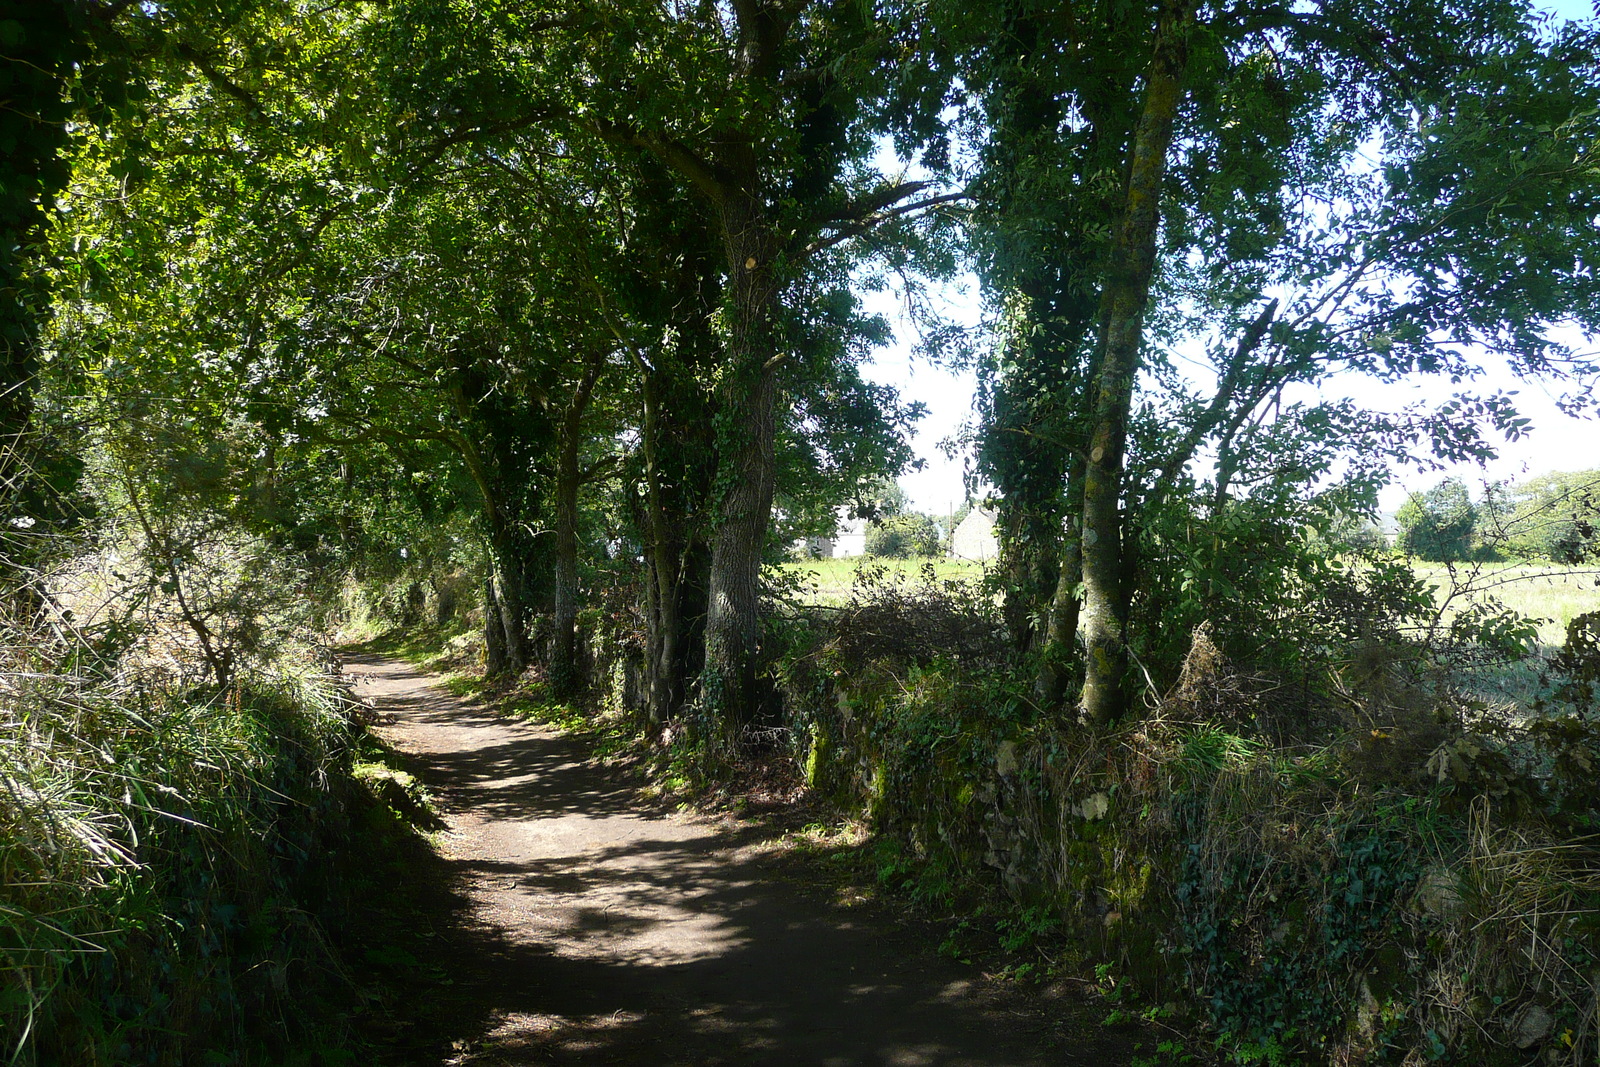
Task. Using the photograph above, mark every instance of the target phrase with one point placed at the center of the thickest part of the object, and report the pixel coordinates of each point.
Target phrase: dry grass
(132, 784)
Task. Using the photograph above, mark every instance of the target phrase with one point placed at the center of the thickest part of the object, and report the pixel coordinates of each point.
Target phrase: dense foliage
(349, 271)
(1438, 525)
(554, 318)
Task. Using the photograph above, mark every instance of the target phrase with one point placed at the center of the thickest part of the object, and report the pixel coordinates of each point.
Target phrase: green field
(1551, 593)
(829, 581)
(1555, 595)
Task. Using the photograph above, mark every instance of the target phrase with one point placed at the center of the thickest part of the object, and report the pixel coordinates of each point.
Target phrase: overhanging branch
(873, 218)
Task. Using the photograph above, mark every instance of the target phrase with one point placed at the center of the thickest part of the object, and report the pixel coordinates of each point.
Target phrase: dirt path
(593, 930)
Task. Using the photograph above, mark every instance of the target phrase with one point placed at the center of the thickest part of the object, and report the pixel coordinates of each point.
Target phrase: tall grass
(158, 847)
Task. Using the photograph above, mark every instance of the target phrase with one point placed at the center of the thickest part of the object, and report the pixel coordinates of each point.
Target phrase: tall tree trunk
(569, 478)
(1123, 302)
(663, 694)
(747, 460)
(511, 578)
(505, 591)
(494, 634)
(564, 679)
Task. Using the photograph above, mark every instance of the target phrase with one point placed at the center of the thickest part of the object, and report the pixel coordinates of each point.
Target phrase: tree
(1554, 516)
(1438, 525)
(762, 112)
(484, 292)
(42, 42)
(1209, 180)
(903, 536)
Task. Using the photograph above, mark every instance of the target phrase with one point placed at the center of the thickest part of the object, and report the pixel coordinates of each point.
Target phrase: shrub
(902, 537)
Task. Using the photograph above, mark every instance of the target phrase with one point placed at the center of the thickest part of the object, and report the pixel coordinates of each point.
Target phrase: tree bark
(511, 581)
(1059, 652)
(747, 466)
(565, 682)
(666, 686)
(505, 599)
(564, 676)
(494, 634)
(1123, 303)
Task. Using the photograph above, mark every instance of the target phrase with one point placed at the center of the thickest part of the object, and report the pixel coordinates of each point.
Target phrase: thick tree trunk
(564, 678)
(746, 467)
(677, 600)
(504, 600)
(667, 519)
(510, 600)
(514, 607)
(665, 693)
(494, 634)
(1123, 302)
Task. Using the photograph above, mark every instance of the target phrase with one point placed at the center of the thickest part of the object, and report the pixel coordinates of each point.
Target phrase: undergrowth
(1415, 882)
(162, 848)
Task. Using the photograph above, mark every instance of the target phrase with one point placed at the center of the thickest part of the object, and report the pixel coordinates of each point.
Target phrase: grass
(159, 857)
(829, 581)
(1553, 594)
(1548, 592)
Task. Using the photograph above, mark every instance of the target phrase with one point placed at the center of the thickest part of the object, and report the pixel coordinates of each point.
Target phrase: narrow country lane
(600, 931)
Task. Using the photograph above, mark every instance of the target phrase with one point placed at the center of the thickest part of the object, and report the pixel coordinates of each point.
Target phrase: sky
(1555, 441)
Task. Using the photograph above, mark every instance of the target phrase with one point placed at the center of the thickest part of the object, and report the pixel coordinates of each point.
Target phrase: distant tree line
(1553, 517)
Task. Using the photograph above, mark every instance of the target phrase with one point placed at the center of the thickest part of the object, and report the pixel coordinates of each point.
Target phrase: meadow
(1549, 596)
(829, 581)
(1550, 593)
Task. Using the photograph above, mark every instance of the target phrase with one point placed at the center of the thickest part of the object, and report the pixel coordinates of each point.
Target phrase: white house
(974, 537)
(850, 538)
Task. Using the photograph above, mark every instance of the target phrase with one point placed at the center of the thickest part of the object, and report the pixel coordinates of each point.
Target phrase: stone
(1095, 806)
(1005, 759)
(1531, 1026)
(1438, 893)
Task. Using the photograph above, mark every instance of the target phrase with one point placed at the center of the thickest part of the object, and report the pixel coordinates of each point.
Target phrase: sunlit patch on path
(607, 932)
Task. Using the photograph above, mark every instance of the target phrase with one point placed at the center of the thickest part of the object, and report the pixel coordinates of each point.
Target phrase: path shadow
(640, 939)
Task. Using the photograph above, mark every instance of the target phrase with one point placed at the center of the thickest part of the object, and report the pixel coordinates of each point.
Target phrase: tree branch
(221, 81)
(700, 172)
(876, 218)
(1218, 408)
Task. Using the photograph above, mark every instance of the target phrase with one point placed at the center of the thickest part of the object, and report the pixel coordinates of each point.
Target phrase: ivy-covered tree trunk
(747, 462)
(677, 574)
(664, 688)
(505, 595)
(1123, 301)
(564, 677)
(494, 634)
(676, 438)
(510, 568)
(1058, 654)
(1042, 212)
